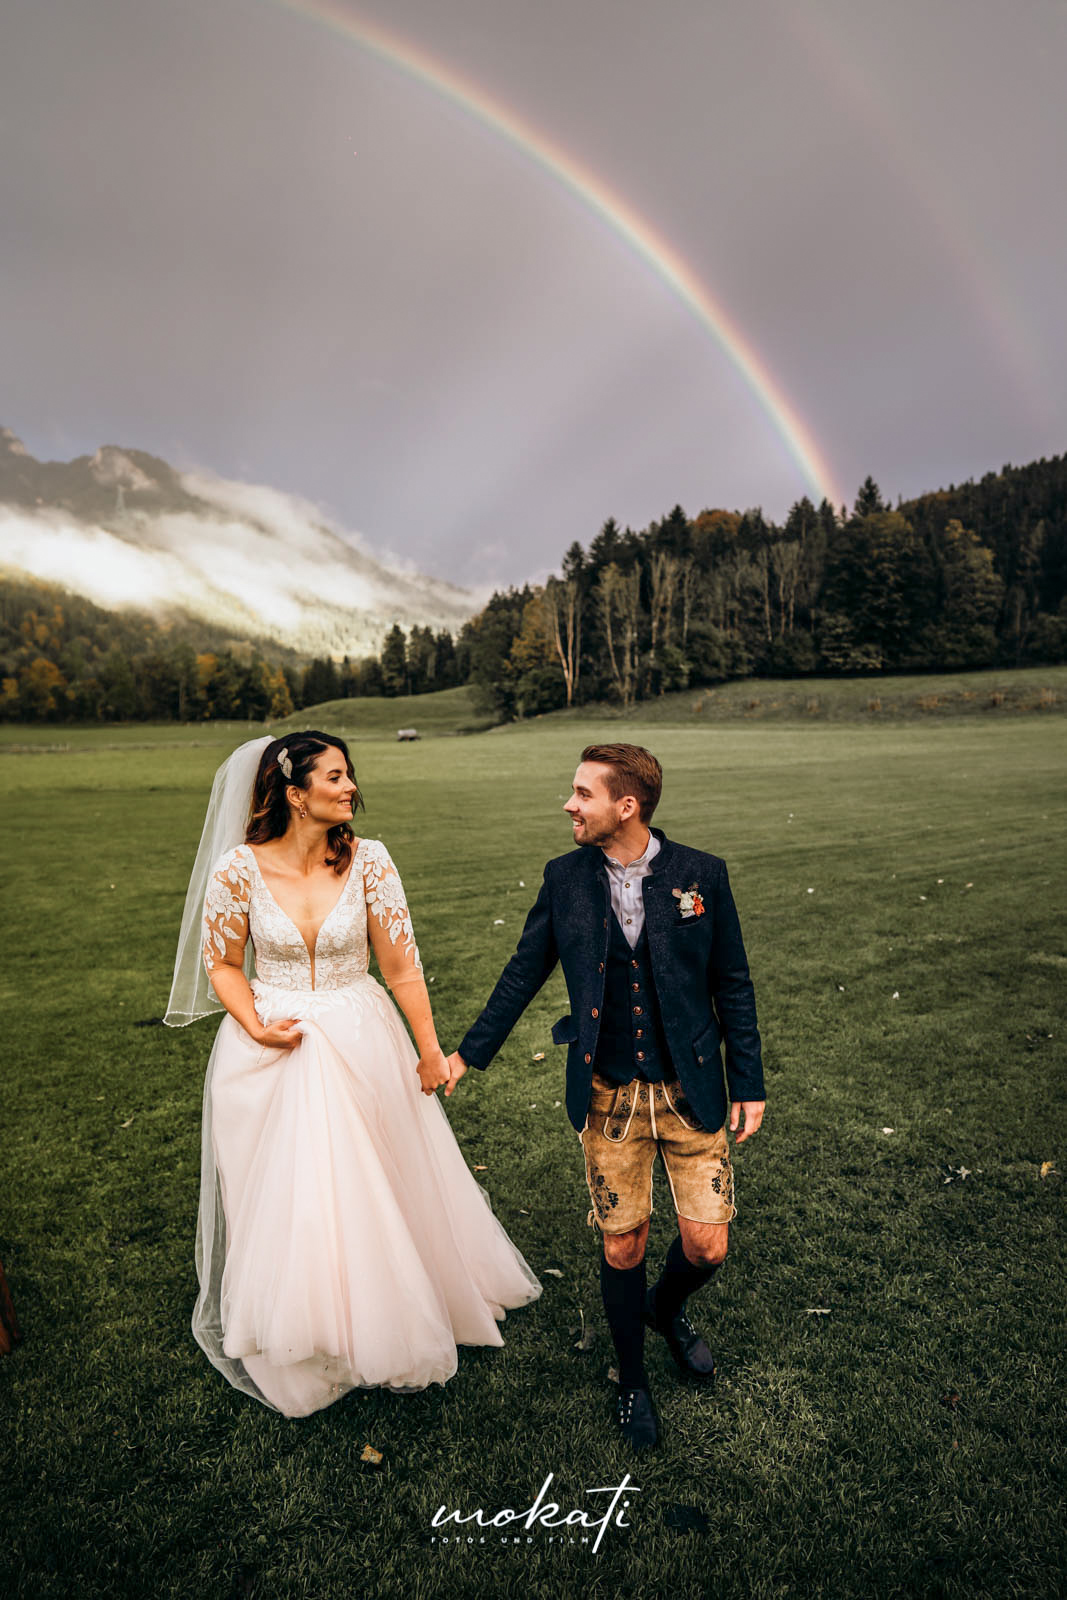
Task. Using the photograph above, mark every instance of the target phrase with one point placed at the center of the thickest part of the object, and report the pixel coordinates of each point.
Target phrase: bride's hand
(283, 1035)
(433, 1071)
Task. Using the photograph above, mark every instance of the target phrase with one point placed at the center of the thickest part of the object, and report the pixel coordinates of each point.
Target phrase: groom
(650, 943)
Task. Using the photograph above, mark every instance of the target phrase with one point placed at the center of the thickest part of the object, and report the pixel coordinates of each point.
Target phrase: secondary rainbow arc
(649, 245)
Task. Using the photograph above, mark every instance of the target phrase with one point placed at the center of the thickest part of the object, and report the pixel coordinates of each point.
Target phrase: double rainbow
(606, 204)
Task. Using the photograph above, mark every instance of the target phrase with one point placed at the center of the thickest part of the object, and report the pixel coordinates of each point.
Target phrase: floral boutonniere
(689, 902)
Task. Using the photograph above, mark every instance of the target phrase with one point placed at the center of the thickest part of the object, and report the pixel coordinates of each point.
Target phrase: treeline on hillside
(63, 658)
(964, 578)
(968, 577)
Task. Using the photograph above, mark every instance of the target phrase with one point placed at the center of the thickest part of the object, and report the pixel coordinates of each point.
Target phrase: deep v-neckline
(312, 950)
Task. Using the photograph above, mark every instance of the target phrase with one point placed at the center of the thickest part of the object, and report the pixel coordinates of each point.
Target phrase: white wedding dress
(342, 1240)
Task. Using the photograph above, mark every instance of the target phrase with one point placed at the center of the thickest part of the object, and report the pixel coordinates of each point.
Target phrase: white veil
(191, 994)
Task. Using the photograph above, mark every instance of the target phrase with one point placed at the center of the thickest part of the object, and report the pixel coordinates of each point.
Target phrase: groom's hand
(456, 1068)
(753, 1110)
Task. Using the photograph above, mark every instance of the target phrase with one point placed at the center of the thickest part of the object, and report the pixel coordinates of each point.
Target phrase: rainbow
(650, 246)
(860, 86)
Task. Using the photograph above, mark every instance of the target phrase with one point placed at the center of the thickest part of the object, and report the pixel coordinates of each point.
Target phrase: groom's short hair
(634, 770)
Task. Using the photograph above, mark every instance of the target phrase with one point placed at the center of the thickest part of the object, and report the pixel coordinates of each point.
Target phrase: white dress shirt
(624, 882)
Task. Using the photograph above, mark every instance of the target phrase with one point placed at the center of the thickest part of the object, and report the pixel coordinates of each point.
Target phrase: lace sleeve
(388, 917)
(226, 912)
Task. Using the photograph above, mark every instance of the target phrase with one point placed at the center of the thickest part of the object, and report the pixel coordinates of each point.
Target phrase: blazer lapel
(590, 904)
(660, 907)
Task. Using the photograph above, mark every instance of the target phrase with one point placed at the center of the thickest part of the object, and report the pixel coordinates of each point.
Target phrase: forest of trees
(967, 577)
(964, 578)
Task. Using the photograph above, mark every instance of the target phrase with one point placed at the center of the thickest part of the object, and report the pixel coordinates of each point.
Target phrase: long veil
(191, 996)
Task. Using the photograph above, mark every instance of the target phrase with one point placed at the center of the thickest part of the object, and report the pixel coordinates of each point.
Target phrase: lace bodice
(239, 905)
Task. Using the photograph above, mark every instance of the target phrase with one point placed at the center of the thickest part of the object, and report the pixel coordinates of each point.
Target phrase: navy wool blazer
(698, 964)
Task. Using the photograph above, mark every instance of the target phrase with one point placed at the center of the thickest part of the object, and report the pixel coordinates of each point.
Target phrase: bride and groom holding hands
(342, 1241)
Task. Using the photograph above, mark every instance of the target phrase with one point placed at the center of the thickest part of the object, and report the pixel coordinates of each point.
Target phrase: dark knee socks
(677, 1281)
(623, 1289)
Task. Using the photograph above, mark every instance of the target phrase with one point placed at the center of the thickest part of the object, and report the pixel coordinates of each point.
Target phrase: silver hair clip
(284, 762)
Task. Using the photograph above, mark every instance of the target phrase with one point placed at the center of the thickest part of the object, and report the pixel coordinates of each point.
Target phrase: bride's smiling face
(331, 792)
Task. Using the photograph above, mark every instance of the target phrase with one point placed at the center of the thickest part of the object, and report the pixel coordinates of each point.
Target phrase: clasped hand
(433, 1071)
(285, 1034)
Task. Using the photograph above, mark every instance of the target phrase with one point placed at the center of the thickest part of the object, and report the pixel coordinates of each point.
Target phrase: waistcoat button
(636, 987)
(596, 1013)
(588, 1058)
(637, 1011)
(640, 1055)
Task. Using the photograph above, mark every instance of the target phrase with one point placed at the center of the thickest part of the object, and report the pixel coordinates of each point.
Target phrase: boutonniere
(689, 902)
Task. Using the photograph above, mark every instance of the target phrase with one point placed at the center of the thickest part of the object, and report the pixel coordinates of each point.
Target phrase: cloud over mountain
(126, 529)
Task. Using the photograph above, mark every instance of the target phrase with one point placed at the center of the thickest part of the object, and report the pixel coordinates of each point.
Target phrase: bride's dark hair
(270, 810)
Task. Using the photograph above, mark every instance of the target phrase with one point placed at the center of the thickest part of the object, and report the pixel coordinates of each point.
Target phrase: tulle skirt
(342, 1240)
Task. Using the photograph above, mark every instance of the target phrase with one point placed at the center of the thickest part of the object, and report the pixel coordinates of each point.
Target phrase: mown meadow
(890, 1324)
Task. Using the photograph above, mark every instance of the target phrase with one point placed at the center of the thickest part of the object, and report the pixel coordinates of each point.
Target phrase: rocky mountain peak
(11, 444)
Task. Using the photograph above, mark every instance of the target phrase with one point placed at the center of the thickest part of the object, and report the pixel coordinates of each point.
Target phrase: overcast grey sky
(236, 238)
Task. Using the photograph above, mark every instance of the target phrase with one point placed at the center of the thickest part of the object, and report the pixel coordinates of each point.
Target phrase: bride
(341, 1239)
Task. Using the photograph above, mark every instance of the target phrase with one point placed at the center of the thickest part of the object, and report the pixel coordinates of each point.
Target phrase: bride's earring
(303, 813)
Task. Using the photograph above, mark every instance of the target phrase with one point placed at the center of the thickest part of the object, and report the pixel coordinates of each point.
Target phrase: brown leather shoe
(691, 1355)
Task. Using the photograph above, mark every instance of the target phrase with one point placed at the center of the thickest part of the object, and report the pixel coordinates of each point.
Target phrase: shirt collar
(651, 850)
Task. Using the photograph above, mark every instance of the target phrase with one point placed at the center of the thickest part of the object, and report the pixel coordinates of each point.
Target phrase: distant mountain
(124, 528)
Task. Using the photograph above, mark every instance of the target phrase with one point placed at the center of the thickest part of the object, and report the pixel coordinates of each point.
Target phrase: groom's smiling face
(595, 816)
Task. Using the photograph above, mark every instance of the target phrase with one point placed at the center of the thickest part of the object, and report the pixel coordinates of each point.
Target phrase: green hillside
(446, 711)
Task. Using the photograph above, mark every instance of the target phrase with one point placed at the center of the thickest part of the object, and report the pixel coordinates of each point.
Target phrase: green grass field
(901, 885)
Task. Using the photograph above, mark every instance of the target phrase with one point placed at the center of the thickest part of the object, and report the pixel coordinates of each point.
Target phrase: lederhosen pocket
(679, 1104)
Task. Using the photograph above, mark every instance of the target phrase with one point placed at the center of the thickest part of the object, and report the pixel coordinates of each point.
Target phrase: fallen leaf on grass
(540, 1056)
(896, 994)
(523, 1211)
(613, 1374)
(817, 1311)
(372, 1457)
(481, 1169)
(126, 1123)
(552, 1272)
(498, 922)
(1047, 1167)
(889, 1130)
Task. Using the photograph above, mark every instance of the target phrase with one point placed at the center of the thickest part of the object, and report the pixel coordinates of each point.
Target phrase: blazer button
(595, 1012)
(640, 1055)
(637, 1011)
(636, 987)
(701, 1060)
(633, 963)
(641, 1034)
(589, 1058)
(601, 967)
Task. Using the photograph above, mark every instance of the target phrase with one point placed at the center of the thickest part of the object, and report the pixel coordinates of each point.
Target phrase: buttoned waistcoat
(707, 1004)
